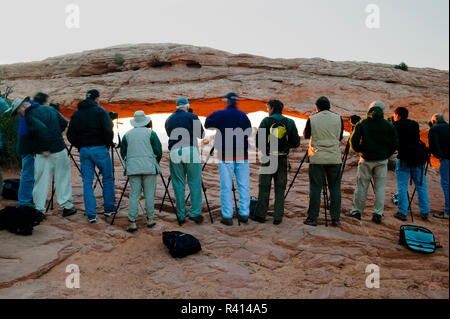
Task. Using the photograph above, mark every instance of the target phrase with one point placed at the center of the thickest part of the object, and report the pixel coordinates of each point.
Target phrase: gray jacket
(140, 157)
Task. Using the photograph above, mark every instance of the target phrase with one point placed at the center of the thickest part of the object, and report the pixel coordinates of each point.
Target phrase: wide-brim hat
(140, 119)
(4, 106)
(18, 103)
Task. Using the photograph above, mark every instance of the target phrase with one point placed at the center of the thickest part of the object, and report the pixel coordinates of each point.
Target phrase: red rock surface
(249, 261)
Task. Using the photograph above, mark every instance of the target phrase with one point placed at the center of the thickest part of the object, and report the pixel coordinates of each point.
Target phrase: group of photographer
(375, 139)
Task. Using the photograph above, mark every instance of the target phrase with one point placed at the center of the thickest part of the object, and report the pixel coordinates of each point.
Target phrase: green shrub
(118, 59)
(402, 66)
(8, 129)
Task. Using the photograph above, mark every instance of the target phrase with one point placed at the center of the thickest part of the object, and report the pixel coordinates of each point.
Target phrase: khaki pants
(58, 166)
(139, 183)
(376, 170)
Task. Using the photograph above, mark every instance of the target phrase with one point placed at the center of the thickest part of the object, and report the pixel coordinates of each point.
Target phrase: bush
(402, 66)
(8, 129)
(118, 59)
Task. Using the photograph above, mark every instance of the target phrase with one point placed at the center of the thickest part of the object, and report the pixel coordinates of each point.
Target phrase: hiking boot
(441, 215)
(258, 219)
(227, 221)
(377, 218)
(276, 221)
(311, 222)
(243, 219)
(69, 211)
(400, 216)
(354, 215)
(395, 199)
(197, 219)
(110, 212)
(92, 219)
(150, 222)
(335, 222)
(131, 227)
(181, 221)
(424, 216)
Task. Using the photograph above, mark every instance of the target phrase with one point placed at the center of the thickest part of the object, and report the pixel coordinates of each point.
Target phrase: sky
(411, 31)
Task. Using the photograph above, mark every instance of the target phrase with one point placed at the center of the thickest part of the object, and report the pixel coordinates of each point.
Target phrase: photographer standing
(375, 140)
(438, 139)
(46, 126)
(412, 157)
(91, 131)
(324, 130)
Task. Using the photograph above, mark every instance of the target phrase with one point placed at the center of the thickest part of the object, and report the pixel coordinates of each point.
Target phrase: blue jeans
(443, 170)
(25, 195)
(403, 172)
(90, 157)
(242, 171)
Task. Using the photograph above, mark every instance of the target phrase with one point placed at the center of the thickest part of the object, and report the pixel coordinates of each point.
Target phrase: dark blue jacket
(24, 144)
(185, 120)
(231, 118)
(46, 126)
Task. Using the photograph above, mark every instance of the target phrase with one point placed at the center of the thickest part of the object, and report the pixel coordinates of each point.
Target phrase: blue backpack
(418, 239)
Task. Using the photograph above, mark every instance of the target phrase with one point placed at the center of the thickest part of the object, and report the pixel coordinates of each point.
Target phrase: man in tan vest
(324, 131)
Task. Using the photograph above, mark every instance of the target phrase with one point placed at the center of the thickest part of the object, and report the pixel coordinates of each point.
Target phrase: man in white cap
(375, 140)
(142, 151)
(184, 129)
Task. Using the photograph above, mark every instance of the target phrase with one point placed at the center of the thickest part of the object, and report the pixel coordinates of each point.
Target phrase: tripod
(189, 195)
(69, 152)
(298, 171)
(410, 200)
(325, 198)
(125, 187)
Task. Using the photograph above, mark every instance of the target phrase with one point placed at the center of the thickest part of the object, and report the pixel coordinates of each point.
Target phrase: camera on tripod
(113, 115)
(354, 119)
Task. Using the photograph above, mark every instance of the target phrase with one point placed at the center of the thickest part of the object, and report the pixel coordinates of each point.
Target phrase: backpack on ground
(417, 154)
(11, 188)
(278, 131)
(418, 239)
(19, 220)
(180, 244)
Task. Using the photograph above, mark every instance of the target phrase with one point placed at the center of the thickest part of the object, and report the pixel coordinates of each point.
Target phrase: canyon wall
(153, 76)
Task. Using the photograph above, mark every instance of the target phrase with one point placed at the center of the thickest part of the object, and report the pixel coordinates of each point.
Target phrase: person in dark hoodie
(375, 140)
(438, 139)
(231, 142)
(409, 165)
(46, 125)
(91, 131)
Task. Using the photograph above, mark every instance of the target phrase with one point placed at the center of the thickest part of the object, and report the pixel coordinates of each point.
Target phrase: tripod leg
(120, 201)
(51, 198)
(295, 176)
(410, 200)
(235, 204)
(325, 198)
(165, 193)
(166, 186)
(207, 203)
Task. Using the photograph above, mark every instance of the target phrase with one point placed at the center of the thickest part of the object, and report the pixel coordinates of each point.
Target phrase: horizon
(382, 31)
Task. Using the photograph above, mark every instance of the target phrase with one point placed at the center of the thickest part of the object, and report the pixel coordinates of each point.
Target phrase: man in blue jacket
(184, 129)
(231, 142)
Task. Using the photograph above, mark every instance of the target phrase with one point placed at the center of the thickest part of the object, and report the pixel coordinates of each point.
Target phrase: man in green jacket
(283, 130)
(375, 140)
